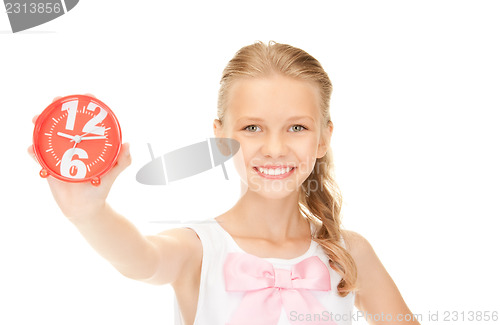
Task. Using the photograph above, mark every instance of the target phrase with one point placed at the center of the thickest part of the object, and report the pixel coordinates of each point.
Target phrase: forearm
(117, 240)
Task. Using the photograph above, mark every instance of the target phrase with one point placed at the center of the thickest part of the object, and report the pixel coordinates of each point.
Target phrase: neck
(274, 219)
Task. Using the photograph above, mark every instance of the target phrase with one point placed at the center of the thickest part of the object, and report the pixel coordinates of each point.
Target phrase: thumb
(124, 160)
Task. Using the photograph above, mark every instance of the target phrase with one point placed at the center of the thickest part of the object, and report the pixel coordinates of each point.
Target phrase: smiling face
(278, 123)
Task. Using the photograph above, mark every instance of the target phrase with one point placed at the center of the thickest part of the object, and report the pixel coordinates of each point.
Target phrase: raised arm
(154, 259)
(378, 297)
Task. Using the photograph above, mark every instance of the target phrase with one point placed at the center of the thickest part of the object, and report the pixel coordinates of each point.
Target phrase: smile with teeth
(276, 172)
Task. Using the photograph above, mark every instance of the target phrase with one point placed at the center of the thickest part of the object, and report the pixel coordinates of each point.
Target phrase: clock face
(77, 138)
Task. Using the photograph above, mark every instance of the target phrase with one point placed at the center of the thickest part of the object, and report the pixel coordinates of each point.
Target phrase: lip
(275, 166)
(285, 175)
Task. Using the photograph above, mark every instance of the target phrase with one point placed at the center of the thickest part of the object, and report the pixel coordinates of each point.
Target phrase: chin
(274, 195)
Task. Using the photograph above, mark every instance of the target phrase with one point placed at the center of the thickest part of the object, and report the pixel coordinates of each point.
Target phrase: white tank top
(216, 305)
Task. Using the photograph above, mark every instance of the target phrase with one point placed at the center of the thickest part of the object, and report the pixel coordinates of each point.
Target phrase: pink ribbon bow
(268, 288)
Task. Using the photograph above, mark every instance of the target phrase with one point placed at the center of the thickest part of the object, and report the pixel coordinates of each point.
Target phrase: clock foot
(96, 181)
(44, 173)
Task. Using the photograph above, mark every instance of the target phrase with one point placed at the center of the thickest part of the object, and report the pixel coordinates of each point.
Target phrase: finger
(31, 152)
(124, 158)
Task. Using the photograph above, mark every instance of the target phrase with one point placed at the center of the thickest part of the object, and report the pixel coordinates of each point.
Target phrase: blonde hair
(258, 61)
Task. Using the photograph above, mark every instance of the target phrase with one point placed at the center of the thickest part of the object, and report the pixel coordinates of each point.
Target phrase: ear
(217, 128)
(326, 136)
(219, 133)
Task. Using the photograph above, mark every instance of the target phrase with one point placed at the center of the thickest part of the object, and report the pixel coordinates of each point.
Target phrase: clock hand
(64, 135)
(92, 138)
(91, 131)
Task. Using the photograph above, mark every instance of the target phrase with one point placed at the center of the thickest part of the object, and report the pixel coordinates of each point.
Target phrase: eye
(300, 126)
(250, 126)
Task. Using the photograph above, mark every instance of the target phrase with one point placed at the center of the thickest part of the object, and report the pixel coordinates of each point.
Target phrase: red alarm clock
(77, 139)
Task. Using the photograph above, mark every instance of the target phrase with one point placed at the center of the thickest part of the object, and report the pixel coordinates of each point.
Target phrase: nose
(275, 145)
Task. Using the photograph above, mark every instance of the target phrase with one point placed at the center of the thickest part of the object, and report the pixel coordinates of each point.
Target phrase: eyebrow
(249, 118)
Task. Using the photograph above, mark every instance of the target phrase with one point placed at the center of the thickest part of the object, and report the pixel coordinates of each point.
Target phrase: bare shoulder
(377, 293)
(180, 252)
(186, 241)
(363, 254)
(186, 236)
(357, 245)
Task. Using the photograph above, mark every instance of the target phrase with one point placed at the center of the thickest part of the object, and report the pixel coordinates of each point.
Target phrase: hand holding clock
(77, 198)
(71, 164)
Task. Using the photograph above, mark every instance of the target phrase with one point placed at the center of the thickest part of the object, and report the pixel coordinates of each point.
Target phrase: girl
(279, 256)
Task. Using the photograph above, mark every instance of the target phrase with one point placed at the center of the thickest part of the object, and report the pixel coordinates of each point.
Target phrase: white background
(415, 107)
